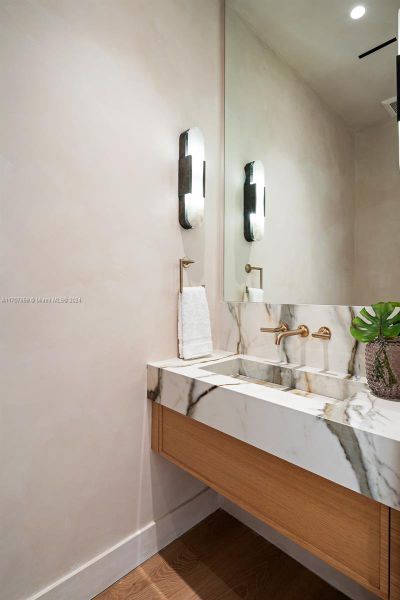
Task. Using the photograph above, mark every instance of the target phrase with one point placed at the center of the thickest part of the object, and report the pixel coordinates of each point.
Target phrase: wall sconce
(254, 201)
(192, 178)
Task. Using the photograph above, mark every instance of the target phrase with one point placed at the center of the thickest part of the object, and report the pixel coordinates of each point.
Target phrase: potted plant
(380, 330)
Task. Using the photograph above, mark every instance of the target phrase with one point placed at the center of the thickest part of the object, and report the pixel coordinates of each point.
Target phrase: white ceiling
(320, 41)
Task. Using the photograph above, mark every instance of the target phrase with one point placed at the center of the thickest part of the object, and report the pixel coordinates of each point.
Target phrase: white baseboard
(339, 581)
(103, 570)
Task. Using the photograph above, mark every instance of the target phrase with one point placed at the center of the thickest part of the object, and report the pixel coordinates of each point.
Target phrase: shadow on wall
(170, 520)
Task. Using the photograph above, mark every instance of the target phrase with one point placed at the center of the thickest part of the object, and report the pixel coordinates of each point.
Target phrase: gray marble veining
(240, 332)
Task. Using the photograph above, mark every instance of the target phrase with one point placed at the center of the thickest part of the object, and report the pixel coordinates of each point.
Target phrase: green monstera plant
(381, 324)
(380, 330)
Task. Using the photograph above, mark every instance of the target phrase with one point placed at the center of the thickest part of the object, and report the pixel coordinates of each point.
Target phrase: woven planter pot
(382, 359)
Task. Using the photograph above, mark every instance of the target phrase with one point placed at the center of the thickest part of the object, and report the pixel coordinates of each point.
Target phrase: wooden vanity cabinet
(394, 592)
(354, 534)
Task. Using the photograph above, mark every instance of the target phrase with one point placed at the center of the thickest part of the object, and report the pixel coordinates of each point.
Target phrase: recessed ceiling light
(358, 12)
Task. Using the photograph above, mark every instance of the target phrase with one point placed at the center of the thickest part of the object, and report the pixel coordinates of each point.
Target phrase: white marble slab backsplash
(240, 332)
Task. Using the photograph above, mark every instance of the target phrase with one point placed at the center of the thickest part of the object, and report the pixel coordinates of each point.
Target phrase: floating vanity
(312, 454)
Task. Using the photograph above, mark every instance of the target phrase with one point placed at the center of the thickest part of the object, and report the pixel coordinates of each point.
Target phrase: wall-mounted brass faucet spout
(281, 327)
(302, 330)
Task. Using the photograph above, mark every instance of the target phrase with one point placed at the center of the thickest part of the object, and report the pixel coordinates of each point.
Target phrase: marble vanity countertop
(354, 442)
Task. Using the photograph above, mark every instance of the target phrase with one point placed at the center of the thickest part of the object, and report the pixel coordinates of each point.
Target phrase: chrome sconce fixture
(254, 201)
(192, 178)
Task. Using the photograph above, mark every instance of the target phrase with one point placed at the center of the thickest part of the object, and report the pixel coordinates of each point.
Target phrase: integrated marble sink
(289, 378)
(327, 423)
(270, 375)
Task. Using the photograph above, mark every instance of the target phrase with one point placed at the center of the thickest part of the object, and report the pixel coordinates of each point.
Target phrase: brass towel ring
(249, 268)
(184, 263)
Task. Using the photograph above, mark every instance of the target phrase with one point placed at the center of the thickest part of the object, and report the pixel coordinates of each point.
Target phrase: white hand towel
(194, 329)
(255, 294)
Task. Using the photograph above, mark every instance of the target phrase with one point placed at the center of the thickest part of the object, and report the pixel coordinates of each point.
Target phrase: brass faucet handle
(281, 327)
(304, 331)
(323, 333)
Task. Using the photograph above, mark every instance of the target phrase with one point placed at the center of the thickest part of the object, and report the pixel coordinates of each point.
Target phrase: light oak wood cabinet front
(343, 528)
(394, 555)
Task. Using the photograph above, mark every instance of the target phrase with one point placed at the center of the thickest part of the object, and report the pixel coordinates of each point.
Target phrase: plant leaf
(367, 316)
(379, 308)
(368, 327)
(359, 323)
(395, 318)
(391, 332)
(361, 336)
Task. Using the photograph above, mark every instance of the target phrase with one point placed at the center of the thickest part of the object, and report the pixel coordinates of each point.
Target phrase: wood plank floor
(220, 559)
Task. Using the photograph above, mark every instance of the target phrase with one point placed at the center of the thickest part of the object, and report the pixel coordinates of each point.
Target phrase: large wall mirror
(316, 126)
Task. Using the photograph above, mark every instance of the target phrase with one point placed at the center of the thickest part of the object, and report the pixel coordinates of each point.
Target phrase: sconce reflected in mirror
(254, 201)
(192, 178)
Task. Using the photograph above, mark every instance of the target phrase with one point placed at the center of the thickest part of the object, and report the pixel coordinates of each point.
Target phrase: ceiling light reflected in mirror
(357, 12)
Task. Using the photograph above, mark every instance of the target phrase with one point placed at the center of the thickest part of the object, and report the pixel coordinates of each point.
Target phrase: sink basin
(251, 371)
(289, 378)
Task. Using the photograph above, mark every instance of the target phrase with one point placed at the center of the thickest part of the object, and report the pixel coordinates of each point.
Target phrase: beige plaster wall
(377, 215)
(94, 95)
